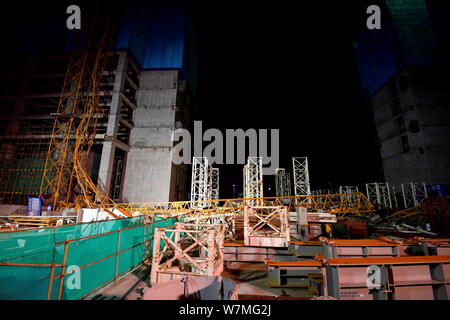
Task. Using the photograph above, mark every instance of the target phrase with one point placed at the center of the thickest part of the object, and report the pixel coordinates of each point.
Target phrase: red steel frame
(167, 262)
(273, 236)
(406, 278)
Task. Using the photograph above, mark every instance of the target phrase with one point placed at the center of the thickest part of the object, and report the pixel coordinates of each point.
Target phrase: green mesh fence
(21, 175)
(97, 252)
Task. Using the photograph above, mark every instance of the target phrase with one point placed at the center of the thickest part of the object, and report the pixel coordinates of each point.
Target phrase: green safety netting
(39, 246)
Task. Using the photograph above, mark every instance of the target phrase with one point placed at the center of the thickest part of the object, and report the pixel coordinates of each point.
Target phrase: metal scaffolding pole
(287, 187)
(244, 183)
(253, 180)
(201, 181)
(414, 193)
(301, 176)
(379, 193)
(280, 183)
(394, 196)
(349, 189)
(385, 194)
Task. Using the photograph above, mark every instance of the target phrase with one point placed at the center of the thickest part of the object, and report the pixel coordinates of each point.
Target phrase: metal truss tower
(201, 181)
(348, 189)
(287, 189)
(215, 184)
(73, 133)
(301, 177)
(253, 180)
(379, 193)
(280, 175)
(394, 196)
(282, 183)
(414, 193)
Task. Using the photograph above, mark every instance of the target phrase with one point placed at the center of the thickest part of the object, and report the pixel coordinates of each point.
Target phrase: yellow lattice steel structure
(340, 204)
(65, 179)
(413, 211)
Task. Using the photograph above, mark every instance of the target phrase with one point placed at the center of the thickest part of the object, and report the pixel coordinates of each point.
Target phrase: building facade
(403, 68)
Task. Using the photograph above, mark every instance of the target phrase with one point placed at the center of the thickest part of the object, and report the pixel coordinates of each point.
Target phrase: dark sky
(291, 67)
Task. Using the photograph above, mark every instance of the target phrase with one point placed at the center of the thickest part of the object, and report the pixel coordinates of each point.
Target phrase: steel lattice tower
(301, 176)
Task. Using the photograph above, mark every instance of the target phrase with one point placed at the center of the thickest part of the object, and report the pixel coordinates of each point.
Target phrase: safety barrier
(70, 262)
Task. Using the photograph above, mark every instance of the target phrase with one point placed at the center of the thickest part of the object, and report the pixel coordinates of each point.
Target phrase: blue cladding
(439, 189)
(154, 33)
(376, 53)
(406, 38)
(159, 34)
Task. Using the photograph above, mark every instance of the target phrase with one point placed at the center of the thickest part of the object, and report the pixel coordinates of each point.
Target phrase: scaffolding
(282, 183)
(253, 180)
(201, 182)
(279, 181)
(414, 193)
(379, 193)
(22, 163)
(348, 189)
(266, 226)
(288, 187)
(394, 195)
(301, 176)
(215, 185)
(188, 250)
(65, 176)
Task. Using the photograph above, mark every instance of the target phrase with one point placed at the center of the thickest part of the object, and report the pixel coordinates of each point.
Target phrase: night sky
(291, 67)
(285, 65)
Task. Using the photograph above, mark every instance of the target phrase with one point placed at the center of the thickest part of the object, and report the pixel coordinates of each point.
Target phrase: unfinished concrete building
(147, 90)
(412, 115)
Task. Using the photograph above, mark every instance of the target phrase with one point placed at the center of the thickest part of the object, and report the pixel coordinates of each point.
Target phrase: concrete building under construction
(403, 70)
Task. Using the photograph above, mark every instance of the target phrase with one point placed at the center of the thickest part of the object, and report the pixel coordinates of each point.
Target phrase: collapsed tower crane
(65, 178)
(253, 180)
(301, 177)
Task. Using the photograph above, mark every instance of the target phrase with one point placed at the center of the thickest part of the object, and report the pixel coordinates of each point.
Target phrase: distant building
(148, 90)
(404, 75)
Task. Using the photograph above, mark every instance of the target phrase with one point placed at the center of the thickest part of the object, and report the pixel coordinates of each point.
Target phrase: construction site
(93, 207)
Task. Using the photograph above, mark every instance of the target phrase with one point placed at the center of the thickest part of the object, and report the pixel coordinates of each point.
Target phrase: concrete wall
(428, 157)
(148, 172)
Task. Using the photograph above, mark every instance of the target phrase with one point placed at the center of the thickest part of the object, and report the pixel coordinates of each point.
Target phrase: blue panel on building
(406, 38)
(437, 189)
(34, 206)
(154, 33)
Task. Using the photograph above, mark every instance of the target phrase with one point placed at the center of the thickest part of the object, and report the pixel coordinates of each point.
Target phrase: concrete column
(106, 164)
(107, 158)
